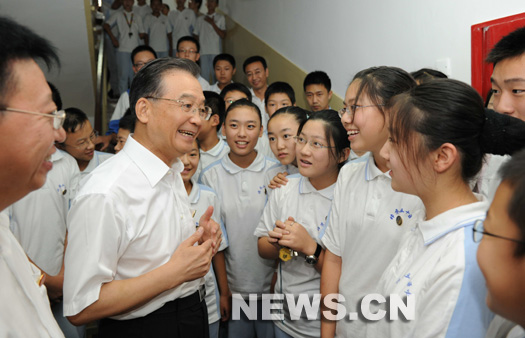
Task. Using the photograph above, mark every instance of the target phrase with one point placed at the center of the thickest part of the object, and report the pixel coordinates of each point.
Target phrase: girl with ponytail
(438, 136)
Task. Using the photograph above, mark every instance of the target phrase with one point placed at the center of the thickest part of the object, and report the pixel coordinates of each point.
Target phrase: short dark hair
(427, 74)
(149, 80)
(239, 87)
(224, 57)
(127, 123)
(167, 6)
(56, 95)
(510, 46)
(19, 43)
(253, 59)
(190, 39)
(75, 118)
(199, 2)
(244, 103)
(216, 103)
(317, 77)
(512, 173)
(142, 48)
(279, 87)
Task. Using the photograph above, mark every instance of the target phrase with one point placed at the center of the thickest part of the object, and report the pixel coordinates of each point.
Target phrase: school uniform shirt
(214, 154)
(157, 29)
(204, 84)
(24, 306)
(210, 41)
(142, 11)
(262, 107)
(142, 215)
(242, 195)
(436, 264)
(263, 146)
(201, 197)
(279, 168)
(365, 227)
(488, 179)
(38, 221)
(121, 19)
(310, 208)
(182, 23)
(215, 87)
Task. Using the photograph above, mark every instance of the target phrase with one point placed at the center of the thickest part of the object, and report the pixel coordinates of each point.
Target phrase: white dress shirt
(309, 207)
(436, 263)
(120, 20)
(142, 215)
(363, 230)
(210, 41)
(182, 23)
(24, 306)
(38, 220)
(242, 195)
(157, 29)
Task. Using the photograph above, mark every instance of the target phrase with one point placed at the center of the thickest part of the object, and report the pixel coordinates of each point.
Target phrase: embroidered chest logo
(62, 189)
(261, 189)
(399, 215)
(408, 280)
(322, 225)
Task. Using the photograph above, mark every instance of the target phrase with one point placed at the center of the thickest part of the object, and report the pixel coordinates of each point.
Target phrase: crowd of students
(389, 195)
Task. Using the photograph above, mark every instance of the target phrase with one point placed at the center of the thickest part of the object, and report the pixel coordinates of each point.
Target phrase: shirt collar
(217, 149)
(195, 193)
(257, 165)
(151, 166)
(453, 219)
(372, 171)
(305, 187)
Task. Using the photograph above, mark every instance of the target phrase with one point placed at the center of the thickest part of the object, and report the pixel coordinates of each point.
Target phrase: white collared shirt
(38, 220)
(143, 11)
(182, 23)
(242, 193)
(436, 264)
(309, 207)
(204, 83)
(262, 107)
(201, 197)
(142, 215)
(210, 41)
(279, 168)
(120, 19)
(24, 306)
(488, 179)
(157, 29)
(214, 154)
(363, 231)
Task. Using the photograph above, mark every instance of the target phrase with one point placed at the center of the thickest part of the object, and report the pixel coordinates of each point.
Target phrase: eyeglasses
(353, 108)
(58, 115)
(139, 65)
(188, 108)
(229, 101)
(301, 141)
(478, 231)
(187, 51)
(85, 142)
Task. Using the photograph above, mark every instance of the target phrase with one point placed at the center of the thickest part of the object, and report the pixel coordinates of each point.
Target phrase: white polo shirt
(363, 231)
(201, 197)
(242, 195)
(182, 23)
(127, 43)
(436, 263)
(279, 168)
(38, 220)
(488, 179)
(142, 215)
(157, 29)
(310, 208)
(214, 154)
(262, 107)
(210, 41)
(24, 306)
(204, 83)
(143, 11)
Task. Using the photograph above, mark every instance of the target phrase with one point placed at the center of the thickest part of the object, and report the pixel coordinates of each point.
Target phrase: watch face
(311, 260)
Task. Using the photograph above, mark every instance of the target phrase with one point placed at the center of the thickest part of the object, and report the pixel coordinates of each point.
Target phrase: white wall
(342, 37)
(63, 22)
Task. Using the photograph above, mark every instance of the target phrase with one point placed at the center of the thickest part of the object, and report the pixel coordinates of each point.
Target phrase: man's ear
(329, 95)
(197, 57)
(143, 110)
(215, 120)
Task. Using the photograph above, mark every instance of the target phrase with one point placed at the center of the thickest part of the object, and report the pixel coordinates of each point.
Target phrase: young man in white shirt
(25, 104)
(133, 263)
(317, 90)
(158, 29)
(182, 21)
(257, 73)
(189, 48)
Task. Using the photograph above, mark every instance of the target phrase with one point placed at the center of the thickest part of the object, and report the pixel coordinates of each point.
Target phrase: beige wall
(242, 44)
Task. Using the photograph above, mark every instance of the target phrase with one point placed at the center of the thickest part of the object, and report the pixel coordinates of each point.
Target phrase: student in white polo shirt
(238, 179)
(368, 218)
(218, 295)
(224, 68)
(158, 29)
(438, 134)
(296, 214)
(182, 21)
(130, 33)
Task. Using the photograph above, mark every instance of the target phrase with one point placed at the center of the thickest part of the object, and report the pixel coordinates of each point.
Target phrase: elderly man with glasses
(131, 259)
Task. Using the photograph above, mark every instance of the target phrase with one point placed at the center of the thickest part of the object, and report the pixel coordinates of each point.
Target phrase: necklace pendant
(130, 34)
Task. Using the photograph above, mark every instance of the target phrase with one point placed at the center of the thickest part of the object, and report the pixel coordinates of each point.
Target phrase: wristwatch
(312, 259)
